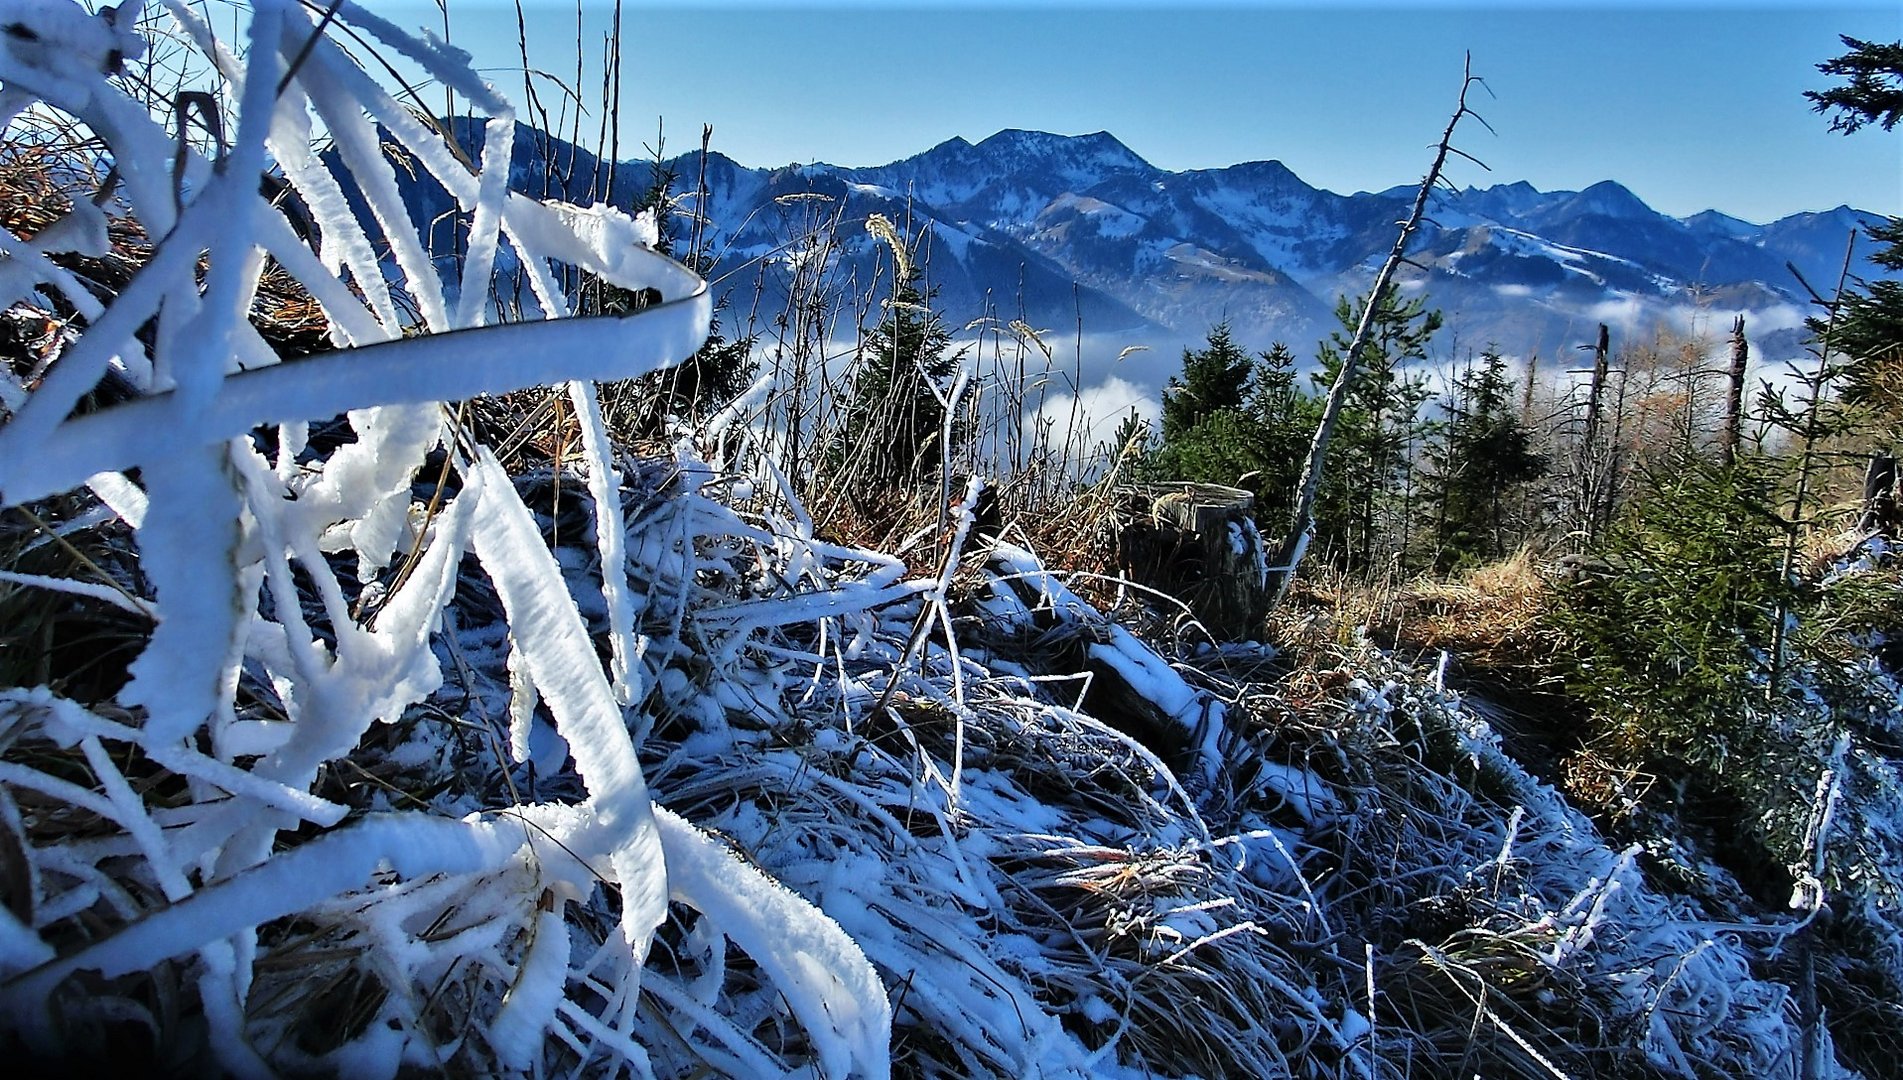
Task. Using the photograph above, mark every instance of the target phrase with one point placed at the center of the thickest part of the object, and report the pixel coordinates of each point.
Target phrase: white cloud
(1094, 414)
(1625, 312)
(1702, 320)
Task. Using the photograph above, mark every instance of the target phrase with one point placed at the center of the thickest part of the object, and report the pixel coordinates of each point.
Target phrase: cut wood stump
(1198, 543)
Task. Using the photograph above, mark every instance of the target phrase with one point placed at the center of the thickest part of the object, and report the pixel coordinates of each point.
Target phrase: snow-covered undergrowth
(175, 850)
(622, 769)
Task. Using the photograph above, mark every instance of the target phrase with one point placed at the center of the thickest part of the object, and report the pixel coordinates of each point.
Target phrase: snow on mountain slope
(1713, 223)
(1815, 242)
(1053, 227)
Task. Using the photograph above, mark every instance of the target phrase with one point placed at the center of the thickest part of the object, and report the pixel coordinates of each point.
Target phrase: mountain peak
(1048, 214)
(1261, 170)
(1717, 223)
(1611, 199)
(1096, 151)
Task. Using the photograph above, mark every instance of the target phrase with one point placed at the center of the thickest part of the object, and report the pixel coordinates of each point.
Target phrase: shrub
(1668, 635)
(1670, 641)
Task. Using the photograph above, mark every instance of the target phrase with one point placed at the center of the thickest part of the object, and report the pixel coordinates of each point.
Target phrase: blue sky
(1693, 106)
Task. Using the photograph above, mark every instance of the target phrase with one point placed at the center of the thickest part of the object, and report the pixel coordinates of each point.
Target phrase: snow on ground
(1111, 221)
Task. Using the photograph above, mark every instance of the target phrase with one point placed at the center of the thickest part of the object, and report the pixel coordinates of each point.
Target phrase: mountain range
(1080, 231)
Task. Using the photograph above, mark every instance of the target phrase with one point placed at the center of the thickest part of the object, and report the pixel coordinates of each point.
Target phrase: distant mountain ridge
(1053, 228)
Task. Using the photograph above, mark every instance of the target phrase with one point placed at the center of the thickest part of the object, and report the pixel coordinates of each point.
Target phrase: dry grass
(1118, 905)
(1328, 607)
(1490, 621)
(77, 645)
(1493, 619)
(44, 171)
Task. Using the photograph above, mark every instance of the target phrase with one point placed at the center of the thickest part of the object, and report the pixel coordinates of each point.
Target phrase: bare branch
(1815, 297)
(1470, 157)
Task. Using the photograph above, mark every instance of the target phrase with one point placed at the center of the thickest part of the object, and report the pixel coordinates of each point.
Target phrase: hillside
(389, 687)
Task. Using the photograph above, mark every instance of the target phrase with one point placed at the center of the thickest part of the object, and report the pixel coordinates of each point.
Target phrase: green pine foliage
(1230, 419)
(1235, 420)
(1481, 457)
(1222, 448)
(1670, 640)
(1132, 452)
(891, 435)
(1365, 506)
(1874, 93)
(1869, 332)
(1287, 417)
(1869, 326)
(1214, 379)
(1667, 630)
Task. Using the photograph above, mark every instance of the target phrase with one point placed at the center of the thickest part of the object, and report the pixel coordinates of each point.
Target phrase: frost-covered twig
(261, 650)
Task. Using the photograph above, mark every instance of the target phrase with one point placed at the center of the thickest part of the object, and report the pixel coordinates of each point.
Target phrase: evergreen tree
(1214, 378)
(1870, 322)
(1222, 448)
(1285, 417)
(893, 415)
(1230, 419)
(1132, 448)
(1207, 437)
(1875, 92)
(1482, 453)
(1669, 637)
(1870, 332)
(1363, 509)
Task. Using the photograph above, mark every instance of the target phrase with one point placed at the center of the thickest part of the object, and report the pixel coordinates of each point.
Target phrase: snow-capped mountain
(1054, 228)
(1013, 221)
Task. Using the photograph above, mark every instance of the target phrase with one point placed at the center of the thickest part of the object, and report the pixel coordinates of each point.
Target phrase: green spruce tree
(1874, 94)
(1869, 326)
(891, 435)
(1214, 378)
(1364, 509)
(1481, 455)
(1239, 421)
(1285, 417)
(1132, 448)
(1206, 434)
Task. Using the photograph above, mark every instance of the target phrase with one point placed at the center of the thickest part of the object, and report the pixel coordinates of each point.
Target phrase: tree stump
(1198, 543)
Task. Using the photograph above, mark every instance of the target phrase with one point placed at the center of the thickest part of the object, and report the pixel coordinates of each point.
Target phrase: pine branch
(1874, 94)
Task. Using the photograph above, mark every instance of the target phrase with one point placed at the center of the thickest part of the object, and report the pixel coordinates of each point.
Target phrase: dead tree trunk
(1601, 352)
(1526, 393)
(1734, 395)
(1302, 524)
(1591, 479)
